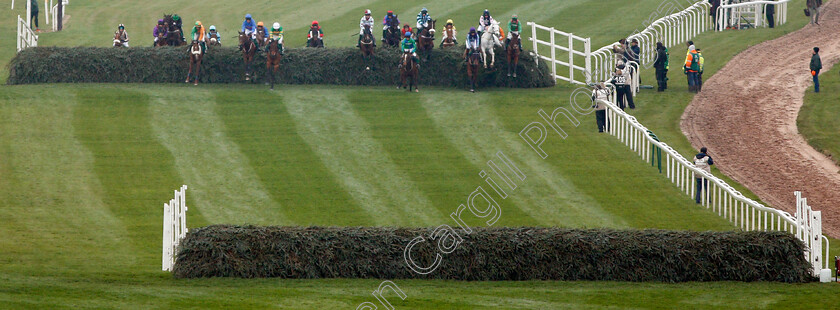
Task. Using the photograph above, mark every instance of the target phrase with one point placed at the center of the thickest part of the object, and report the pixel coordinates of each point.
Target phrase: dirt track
(746, 116)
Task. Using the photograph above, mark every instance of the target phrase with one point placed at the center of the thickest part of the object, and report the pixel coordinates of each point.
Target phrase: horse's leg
(189, 72)
(515, 65)
(197, 71)
(493, 59)
(484, 57)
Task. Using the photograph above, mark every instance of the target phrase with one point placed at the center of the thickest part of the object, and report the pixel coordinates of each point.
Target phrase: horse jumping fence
(749, 13)
(718, 196)
(25, 36)
(174, 226)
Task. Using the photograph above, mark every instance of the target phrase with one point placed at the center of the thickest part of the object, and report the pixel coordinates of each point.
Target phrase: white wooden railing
(174, 226)
(732, 14)
(25, 36)
(53, 12)
(566, 43)
(717, 195)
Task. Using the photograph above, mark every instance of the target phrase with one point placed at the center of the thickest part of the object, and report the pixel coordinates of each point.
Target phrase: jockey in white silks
(369, 21)
(473, 43)
(423, 19)
(484, 21)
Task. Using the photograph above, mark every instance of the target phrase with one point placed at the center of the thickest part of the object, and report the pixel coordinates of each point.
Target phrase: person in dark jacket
(770, 12)
(814, 8)
(621, 80)
(713, 10)
(816, 66)
(661, 66)
(33, 14)
(704, 162)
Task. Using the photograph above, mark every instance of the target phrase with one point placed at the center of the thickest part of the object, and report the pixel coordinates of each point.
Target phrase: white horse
(489, 40)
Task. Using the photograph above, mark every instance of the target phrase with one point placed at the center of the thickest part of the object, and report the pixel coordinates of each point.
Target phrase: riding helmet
(514, 17)
(276, 25)
(367, 12)
(121, 26)
(260, 24)
(390, 12)
(198, 24)
(472, 29)
(424, 10)
(160, 22)
(487, 12)
(314, 23)
(247, 16)
(408, 34)
(212, 27)
(176, 17)
(449, 21)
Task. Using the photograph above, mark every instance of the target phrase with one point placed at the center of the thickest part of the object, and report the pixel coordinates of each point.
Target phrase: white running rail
(25, 36)
(54, 12)
(174, 226)
(720, 197)
(568, 45)
(753, 11)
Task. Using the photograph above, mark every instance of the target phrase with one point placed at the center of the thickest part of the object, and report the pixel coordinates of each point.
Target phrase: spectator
(814, 8)
(621, 80)
(713, 11)
(703, 162)
(600, 92)
(692, 67)
(816, 66)
(33, 15)
(661, 66)
(700, 72)
(770, 12)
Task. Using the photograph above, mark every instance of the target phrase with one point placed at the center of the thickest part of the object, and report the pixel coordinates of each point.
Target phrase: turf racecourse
(86, 168)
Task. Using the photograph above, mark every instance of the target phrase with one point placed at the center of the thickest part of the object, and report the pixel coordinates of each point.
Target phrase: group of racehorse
(409, 70)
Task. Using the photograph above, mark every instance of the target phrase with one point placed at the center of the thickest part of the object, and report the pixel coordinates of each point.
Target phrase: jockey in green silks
(410, 46)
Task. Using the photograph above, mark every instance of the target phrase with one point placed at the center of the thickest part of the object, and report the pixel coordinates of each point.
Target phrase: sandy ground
(746, 116)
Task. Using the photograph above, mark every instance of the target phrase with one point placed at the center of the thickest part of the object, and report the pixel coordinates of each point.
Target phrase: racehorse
(314, 38)
(174, 37)
(473, 63)
(513, 53)
(161, 40)
(117, 41)
(272, 63)
(260, 39)
(393, 33)
(489, 40)
(195, 61)
(409, 70)
(214, 40)
(426, 41)
(246, 45)
(366, 47)
(450, 38)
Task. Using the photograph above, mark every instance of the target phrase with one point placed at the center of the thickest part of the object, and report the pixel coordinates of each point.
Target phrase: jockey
(213, 34)
(197, 34)
(160, 29)
(485, 21)
(261, 30)
(406, 29)
(249, 27)
(366, 20)
(513, 26)
(122, 35)
(450, 25)
(386, 22)
(177, 23)
(473, 43)
(309, 33)
(276, 34)
(410, 46)
(423, 19)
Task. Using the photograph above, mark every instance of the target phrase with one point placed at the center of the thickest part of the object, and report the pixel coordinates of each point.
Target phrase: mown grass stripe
(344, 142)
(223, 184)
(546, 195)
(291, 172)
(137, 173)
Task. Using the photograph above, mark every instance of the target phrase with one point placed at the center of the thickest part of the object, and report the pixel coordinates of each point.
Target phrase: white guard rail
(719, 196)
(54, 12)
(174, 226)
(559, 40)
(25, 36)
(753, 11)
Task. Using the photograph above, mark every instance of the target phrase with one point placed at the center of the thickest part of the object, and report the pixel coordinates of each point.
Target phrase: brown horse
(272, 63)
(260, 39)
(315, 38)
(214, 40)
(393, 34)
(161, 40)
(117, 40)
(473, 62)
(513, 53)
(366, 47)
(409, 70)
(449, 40)
(195, 61)
(246, 45)
(426, 42)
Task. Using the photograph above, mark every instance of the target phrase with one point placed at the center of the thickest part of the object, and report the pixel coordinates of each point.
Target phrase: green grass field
(86, 168)
(817, 120)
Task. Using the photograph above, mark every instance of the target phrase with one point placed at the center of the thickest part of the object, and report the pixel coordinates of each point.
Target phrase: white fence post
(553, 55)
(174, 227)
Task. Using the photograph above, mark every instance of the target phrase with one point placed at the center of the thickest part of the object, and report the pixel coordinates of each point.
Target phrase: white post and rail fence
(54, 16)
(718, 196)
(749, 14)
(174, 226)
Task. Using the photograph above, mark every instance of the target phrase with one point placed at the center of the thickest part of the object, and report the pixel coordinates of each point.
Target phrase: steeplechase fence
(718, 196)
(749, 14)
(174, 226)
